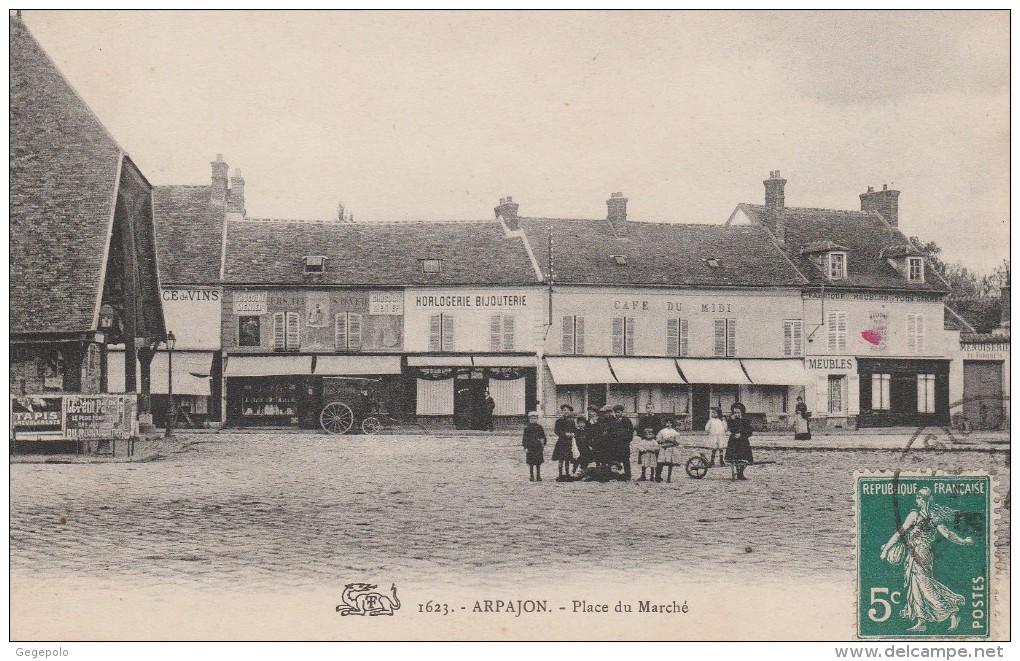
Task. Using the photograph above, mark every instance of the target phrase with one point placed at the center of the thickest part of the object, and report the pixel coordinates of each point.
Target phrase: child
(583, 446)
(564, 429)
(534, 446)
(668, 440)
(648, 453)
(717, 435)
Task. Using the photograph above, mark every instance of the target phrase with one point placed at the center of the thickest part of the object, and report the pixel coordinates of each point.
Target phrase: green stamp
(923, 556)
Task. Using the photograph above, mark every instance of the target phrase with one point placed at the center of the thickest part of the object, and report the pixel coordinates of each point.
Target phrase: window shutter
(720, 337)
(340, 334)
(798, 338)
(508, 332)
(672, 337)
(448, 344)
(731, 337)
(293, 330)
(919, 326)
(628, 336)
(618, 336)
(279, 335)
(683, 337)
(911, 333)
(830, 328)
(568, 334)
(578, 334)
(495, 332)
(841, 330)
(435, 328)
(354, 331)
(788, 338)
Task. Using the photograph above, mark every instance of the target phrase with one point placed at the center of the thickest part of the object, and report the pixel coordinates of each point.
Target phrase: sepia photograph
(511, 326)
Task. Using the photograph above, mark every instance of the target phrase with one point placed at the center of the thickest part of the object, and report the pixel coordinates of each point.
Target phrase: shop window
(249, 331)
(441, 335)
(837, 266)
(624, 394)
(915, 269)
(793, 338)
(347, 336)
(676, 337)
(837, 390)
(768, 399)
(726, 338)
(573, 395)
(675, 400)
(623, 336)
(836, 326)
(880, 384)
(501, 332)
(915, 333)
(573, 335)
(925, 393)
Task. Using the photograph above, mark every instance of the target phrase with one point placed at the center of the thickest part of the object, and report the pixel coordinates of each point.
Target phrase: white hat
(532, 413)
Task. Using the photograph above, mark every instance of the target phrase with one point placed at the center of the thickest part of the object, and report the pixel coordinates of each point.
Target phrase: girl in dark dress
(738, 449)
(534, 446)
(565, 430)
(582, 438)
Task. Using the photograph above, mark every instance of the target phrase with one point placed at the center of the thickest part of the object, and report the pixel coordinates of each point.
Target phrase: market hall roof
(272, 252)
(189, 235)
(64, 174)
(591, 252)
(864, 234)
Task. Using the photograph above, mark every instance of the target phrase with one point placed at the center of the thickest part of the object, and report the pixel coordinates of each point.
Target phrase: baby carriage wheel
(696, 467)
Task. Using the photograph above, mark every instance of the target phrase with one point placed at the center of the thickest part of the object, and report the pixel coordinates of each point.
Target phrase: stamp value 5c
(923, 556)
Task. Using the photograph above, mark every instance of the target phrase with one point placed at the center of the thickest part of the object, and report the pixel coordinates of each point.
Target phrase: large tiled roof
(864, 235)
(273, 251)
(659, 254)
(64, 168)
(189, 235)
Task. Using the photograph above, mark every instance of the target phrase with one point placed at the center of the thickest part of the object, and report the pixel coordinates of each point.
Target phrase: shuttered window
(792, 337)
(837, 385)
(573, 335)
(279, 332)
(836, 327)
(501, 332)
(448, 334)
(441, 332)
(293, 331)
(915, 333)
(726, 337)
(676, 337)
(623, 336)
(348, 331)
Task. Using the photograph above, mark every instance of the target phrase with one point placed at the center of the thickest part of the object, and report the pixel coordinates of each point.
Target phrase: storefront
(455, 387)
(985, 364)
(903, 392)
(192, 378)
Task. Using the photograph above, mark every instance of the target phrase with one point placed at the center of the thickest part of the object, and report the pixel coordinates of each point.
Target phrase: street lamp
(171, 414)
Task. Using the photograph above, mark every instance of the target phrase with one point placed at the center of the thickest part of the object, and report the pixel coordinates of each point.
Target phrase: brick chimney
(884, 202)
(775, 203)
(235, 197)
(220, 170)
(617, 208)
(507, 210)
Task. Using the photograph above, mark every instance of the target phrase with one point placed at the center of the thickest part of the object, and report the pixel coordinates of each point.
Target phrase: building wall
(964, 352)
(64, 367)
(472, 310)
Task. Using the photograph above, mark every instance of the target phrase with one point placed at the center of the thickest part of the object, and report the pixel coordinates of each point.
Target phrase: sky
(435, 116)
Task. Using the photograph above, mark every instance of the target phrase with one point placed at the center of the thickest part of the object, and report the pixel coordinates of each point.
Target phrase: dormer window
(915, 269)
(836, 269)
(620, 260)
(431, 265)
(315, 264)
(713, 262)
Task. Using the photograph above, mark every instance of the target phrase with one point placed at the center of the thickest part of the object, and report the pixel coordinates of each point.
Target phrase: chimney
(617, 206)
(507, 210)
(219, 180)
(235, 198)
(884, 202)
(775, 203)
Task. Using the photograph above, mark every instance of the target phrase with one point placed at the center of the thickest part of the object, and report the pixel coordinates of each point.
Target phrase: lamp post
(171, 413)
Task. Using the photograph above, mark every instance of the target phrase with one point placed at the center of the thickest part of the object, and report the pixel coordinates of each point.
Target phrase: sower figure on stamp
(738, 449)
(927, 600)
(534, 446)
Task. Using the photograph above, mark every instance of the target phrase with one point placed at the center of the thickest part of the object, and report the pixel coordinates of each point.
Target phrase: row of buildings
(272, 316)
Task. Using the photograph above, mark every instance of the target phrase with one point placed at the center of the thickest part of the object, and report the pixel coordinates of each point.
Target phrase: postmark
(924, 546)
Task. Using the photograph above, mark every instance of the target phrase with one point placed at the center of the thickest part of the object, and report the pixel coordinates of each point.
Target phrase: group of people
(597, 446)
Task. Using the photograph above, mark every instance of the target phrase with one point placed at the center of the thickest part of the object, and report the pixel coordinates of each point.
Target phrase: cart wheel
(696, 467)
(336, 418)
(370, 425)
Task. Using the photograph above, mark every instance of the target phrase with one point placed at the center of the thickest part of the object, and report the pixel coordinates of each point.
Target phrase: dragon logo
(361, 599)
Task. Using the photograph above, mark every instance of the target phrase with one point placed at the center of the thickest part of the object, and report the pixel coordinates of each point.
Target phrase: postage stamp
(923, 555)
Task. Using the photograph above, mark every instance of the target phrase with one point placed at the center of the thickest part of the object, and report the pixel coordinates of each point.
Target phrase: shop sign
(36, 414)
(386, 303)
(471, 300)
(88, 417)
(869, 296)
(831, 363)
(191, 295)
(250, 302)
(985, 350)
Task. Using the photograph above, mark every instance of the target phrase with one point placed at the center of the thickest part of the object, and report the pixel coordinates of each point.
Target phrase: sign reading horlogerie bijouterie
(471, 300)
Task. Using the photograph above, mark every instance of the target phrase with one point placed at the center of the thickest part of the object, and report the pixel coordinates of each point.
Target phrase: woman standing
(738, 449)
(927, 600)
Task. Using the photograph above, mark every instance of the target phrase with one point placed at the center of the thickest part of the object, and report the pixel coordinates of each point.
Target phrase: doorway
(469, 399)
(701, 402)
(982, 394)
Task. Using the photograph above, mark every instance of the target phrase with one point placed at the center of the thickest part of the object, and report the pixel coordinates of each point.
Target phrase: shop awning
(268, 365)
(577, 371)
(712, 370)
(776, 372)
(504, 361)
(645, 370)
(191, 373)
(439, 361)
(356, 365)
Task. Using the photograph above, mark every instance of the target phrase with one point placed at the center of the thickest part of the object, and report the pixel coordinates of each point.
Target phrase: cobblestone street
(295, 509)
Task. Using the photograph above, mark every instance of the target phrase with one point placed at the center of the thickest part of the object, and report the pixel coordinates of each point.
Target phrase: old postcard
(678, 326)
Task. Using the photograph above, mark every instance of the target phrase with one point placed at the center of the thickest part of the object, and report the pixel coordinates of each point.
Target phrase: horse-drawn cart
(355, 404)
